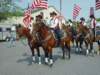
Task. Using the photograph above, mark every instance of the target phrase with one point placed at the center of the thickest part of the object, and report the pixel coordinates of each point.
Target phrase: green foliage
(5, 15)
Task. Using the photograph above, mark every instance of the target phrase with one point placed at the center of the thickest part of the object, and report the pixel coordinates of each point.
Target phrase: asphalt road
(17, 61)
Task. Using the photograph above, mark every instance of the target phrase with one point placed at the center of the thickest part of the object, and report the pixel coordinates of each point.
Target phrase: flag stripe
(43, 4)
(39, 4)
(97, 4)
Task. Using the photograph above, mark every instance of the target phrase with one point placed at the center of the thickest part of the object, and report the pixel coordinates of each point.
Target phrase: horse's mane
(85, 29)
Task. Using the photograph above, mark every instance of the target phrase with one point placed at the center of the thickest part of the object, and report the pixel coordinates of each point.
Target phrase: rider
(82, 34)
(43, 20)
(55, 25)
(82, 21)
(92, 24)
(39, 18)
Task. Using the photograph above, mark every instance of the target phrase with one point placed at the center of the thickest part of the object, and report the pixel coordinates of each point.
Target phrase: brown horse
(32, 40)
(48, 41)
(78, 38)
(66, 40)
(87, 36)
(90, 38)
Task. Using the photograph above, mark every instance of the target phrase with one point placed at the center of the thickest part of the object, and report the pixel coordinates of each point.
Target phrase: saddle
(58, 34)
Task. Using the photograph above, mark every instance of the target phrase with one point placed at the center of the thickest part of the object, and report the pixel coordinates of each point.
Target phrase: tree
(98, 19)
(5, 5)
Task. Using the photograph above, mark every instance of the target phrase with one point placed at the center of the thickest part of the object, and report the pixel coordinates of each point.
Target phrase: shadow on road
(28, 59)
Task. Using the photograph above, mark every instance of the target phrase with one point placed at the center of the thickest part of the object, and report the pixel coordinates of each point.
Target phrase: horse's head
(22, 31)
(66, 28)
(41, 29)
(38, 27)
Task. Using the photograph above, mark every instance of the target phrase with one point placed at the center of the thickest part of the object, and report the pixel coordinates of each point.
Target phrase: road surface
(17, 61)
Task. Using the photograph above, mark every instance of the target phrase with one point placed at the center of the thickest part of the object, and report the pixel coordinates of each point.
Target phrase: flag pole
(60, 7)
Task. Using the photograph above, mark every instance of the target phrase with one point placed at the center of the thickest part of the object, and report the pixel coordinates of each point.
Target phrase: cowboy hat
(82, 19)
(53, 13)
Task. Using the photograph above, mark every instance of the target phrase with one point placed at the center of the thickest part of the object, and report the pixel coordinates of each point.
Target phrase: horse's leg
(50, 53)
(73, 42)
(33, 54)
(76, 45)
(38, 53)
(46, 55)
(68, 48)
(63, 51)
(86, 45)
(81, 42)
(91, 48)
(99, 50)
(32, 50)
(98, 47)
(69, 52)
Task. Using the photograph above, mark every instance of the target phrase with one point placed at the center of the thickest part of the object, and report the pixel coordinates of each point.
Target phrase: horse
(79, 38)
(32, 41)
(66, 40)
(90, 38)
(48, 41)
(97, 38)
(85, 34)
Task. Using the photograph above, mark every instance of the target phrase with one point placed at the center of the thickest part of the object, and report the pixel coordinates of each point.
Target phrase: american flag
(97, 4)
(27, 17)
(40, 4)
(28, 12)
(27, 20)
(76, 11)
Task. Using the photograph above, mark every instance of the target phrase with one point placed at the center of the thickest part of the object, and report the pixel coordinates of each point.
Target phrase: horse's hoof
(98, 52)
(68, 57)
(51, 65)
(33, 62)
(33, 58)
(87, 52)
(92, 53)
(77, 50)
(46, 63)
(39, 63)
(51, 62)
(39, 60)
(63, 57)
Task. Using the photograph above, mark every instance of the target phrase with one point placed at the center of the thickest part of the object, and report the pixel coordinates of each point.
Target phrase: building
(45, 11)
(34, 13)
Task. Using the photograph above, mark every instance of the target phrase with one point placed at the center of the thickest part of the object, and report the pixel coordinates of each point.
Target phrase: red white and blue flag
(76, 11)
(27, 17)
(39, 4)
(27, 20)
(35, 4)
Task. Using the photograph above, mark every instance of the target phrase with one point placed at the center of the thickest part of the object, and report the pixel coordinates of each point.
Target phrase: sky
(67, 7)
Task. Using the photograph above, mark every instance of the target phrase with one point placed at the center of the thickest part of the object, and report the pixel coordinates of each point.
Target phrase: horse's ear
(18, 26)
